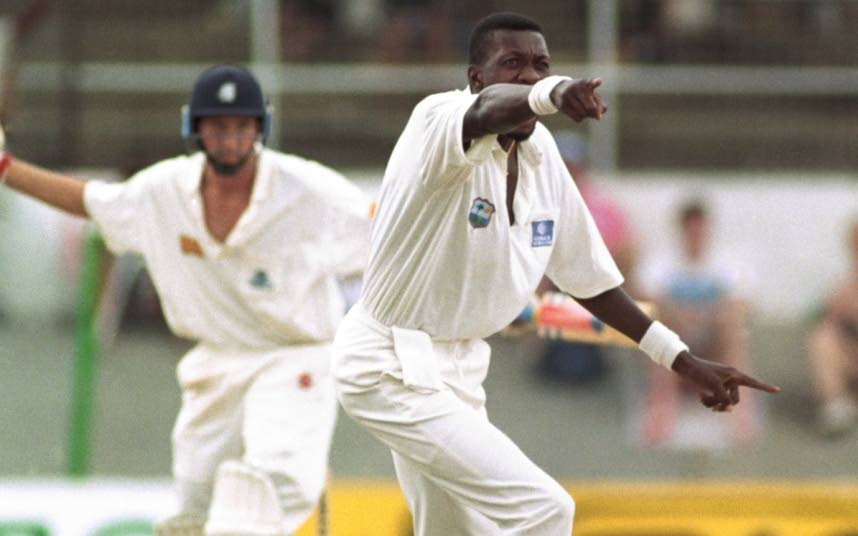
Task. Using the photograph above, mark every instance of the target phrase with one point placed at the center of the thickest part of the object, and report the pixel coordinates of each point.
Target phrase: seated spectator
(833, 351)
(702, 295)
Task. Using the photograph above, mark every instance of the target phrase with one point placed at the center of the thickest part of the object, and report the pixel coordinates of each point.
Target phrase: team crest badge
(227, 92)
(261, 280)
(481, 213)
(542, 233)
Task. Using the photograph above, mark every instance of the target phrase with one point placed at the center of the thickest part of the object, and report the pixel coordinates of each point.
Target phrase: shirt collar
(190, 183)
(527, 149)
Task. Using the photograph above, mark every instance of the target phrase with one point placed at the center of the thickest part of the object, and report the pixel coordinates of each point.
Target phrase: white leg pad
(181, 525)
(244, 503)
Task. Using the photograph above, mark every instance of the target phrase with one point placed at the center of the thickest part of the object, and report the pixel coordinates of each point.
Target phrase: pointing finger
(600, 105)
(754, 383)
(590, 106)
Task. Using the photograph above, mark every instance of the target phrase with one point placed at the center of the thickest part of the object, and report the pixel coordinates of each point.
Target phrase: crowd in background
(651, 31)
(705, 291)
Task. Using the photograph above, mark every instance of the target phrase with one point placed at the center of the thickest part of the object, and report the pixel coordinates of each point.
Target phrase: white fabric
(432, 269)
(459, 473)
(273, 281)
(244, 503)
(257, 407)
(661, 344)
(180, 525)
(413, 348)
(539, 97)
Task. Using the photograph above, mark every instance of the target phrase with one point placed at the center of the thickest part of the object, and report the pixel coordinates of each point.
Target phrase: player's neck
(240, 182)
(507, 143)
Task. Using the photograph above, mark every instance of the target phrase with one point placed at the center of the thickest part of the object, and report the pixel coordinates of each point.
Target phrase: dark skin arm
(717, 384)
(501, 108)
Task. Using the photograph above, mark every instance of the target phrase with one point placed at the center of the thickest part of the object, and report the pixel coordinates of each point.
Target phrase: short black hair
(693, 209)
(481, 35)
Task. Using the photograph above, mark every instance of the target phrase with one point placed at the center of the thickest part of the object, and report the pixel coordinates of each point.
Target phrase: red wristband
(5, 161)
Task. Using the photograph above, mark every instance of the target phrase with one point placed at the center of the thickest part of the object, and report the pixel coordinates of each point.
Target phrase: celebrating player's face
(516, 57)
(228, 141)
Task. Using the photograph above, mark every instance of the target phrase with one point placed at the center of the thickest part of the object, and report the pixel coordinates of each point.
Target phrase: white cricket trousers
(275, 410)
(424, 399)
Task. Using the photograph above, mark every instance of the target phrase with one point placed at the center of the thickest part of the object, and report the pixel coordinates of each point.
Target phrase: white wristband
(661, 344)
(539, 97)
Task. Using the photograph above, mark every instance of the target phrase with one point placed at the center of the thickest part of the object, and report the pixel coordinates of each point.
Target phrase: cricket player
(475, 206)
(245, 246)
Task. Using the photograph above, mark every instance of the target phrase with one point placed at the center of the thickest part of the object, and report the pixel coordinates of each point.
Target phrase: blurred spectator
(417, 30)
(702, 294)
(577, 361)
(833, 350)
(307, 26)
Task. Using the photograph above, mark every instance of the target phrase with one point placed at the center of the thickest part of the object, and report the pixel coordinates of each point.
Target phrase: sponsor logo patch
(190, 246)
(481, 213)
(542, 233)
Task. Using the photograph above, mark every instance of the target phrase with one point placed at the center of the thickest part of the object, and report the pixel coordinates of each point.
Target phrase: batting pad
(181, 525)
(244, 503)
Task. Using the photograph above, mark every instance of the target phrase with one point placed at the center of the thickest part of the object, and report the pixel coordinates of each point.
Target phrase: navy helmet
(225, 90)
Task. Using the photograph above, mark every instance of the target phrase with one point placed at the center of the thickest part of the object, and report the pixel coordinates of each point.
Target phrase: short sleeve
(580, 263)
(115, 208)
(442, 118)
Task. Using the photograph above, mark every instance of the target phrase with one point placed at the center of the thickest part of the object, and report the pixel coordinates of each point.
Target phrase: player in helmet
(244, 245)
(225, 90)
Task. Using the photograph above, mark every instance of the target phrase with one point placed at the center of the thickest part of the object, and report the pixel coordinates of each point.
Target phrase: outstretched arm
(500, 108)
(58, 190)
(717, 384)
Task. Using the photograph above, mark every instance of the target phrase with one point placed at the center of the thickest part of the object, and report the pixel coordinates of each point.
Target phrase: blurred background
(746, 108)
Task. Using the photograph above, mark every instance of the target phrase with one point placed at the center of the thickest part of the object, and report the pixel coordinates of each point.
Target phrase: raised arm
(500, 108)
(58, 190)
(717, 384)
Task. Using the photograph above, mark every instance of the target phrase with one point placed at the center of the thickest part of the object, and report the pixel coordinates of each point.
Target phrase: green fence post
(85, 356)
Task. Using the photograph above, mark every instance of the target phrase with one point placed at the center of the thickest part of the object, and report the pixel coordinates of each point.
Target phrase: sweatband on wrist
(661, 344)
(539, 97)
(5, 161)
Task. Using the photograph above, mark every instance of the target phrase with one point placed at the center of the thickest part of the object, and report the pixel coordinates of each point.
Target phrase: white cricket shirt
(444, 258)
(272, 282)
